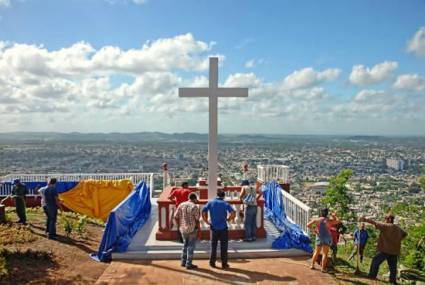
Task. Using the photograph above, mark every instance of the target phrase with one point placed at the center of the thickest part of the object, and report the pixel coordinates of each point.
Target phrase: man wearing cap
(19, 191)
(388, 248)
(218, 209)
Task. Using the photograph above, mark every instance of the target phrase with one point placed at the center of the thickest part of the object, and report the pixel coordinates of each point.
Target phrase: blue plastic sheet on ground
(291, 234)
(124, 222)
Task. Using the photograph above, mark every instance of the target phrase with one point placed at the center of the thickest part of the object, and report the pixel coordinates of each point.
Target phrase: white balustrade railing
(273, 172)
(296, 210)
(5, 188)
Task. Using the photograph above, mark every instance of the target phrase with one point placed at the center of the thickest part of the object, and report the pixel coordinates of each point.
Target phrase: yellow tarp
(96, 198)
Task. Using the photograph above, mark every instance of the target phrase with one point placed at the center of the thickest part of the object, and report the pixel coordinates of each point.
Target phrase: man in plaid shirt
(187, 217)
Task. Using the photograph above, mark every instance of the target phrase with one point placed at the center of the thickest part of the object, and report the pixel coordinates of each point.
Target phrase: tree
(336, 196)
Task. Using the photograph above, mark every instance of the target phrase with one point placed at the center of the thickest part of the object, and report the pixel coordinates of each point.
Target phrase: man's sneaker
(212, 265)
(183, 264)
(191, 266)
(225, 266)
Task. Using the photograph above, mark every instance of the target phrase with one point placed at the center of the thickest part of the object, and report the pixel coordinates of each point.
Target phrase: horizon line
(240, 134)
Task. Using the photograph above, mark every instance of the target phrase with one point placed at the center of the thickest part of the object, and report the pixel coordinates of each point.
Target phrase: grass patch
(13, 234)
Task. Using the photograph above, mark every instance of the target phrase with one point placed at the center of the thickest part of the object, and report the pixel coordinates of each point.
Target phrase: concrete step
(204, 254)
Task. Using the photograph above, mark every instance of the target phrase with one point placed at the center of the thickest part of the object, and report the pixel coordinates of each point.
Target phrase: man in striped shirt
(187, 217)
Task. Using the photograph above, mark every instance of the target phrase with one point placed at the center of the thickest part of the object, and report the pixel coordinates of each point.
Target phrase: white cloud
(410, 82)
(253, 63)
(249, 80)
(416, 44)
(308, 77)
(369, 95)
(181, 52)
(362, 76)
(4, 3)
(82, 82)
(77, 78)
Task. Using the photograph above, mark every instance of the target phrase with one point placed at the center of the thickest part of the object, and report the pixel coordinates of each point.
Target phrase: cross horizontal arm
(231, 92)
(194, 92)
(207, 92)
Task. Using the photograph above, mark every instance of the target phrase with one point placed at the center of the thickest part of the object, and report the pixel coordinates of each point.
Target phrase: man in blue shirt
(218, 209)
(52, 205)
(360, 240)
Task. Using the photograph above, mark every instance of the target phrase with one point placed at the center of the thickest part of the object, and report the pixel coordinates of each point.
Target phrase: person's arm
(232, 213)
(356, 235)
(231, 216)
(177, 216)
(58, 202)
(205, 213)
(369, 221)
(205, 217)
(403, 234)
(259, 193)
(311, 223)
(243, 193)
(171, 196)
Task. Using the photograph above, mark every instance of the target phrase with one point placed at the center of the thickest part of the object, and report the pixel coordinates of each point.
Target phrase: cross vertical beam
(213, 130)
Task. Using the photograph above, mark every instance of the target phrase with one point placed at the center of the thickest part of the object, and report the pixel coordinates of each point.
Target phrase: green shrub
(81, 225)
(67, 224)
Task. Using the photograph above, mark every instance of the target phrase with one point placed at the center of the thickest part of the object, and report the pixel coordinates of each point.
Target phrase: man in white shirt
(41, 191)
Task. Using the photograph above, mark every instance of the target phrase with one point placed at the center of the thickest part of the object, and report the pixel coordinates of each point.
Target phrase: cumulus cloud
(77, 82)
(362, 75)
(308, 77)
(379, 104)
(79, 76)
(410, 82)
(416, 44)
(181, 52)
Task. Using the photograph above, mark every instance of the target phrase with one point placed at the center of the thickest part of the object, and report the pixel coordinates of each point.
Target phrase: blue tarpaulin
(124, 221)
(291, 234)
(61, 187)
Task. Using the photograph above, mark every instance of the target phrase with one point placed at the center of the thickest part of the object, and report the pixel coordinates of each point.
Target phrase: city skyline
(115, 66)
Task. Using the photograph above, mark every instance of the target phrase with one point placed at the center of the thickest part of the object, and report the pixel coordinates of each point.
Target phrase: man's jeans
(250, 222)
(222, 236)
(52, 213)
(189, 243)
(47, 218)
(21, 209)
(392, 265)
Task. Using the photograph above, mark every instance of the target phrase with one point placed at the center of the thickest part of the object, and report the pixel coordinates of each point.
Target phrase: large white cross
(213, 92)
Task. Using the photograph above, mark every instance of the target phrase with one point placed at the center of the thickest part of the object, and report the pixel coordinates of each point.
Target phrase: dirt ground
(65, 261)
(242, 271)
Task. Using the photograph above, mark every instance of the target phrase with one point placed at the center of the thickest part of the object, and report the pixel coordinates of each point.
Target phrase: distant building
(397, 164)
(319, 188)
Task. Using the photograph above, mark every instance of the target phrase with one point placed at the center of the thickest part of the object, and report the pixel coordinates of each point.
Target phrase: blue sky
(298, 58)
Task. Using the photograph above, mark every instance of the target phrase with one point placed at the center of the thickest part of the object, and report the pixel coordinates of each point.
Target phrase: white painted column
(213, 130)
